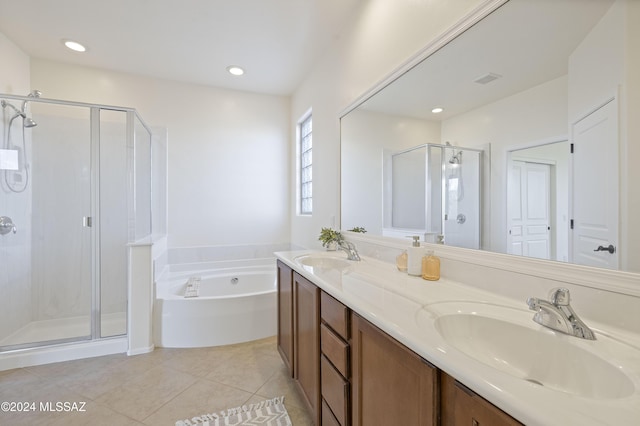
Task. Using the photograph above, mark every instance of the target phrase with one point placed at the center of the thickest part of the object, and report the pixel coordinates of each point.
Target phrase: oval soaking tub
(236, 303)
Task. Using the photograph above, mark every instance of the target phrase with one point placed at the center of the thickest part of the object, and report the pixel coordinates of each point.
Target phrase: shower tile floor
(113, 324)
(157, 388)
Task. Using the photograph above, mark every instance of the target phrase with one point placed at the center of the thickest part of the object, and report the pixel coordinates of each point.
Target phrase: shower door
(78, 194)
(50, 256)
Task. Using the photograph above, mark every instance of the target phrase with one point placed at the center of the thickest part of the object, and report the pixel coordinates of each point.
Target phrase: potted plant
(330, 238)
(358, 229)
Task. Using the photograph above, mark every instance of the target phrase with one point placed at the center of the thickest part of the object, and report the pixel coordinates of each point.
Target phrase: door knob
(611, 249)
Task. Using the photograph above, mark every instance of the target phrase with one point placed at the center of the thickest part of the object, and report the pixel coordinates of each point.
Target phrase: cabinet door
(463, 407)
(307, 342)
(391, 385)
(285, 315)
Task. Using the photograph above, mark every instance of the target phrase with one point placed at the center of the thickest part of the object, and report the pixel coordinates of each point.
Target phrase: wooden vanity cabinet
(463, 407)
(285, 314)
(391, 385)
(335, 365)
(349, 372)
(306, 342)
(299, 333)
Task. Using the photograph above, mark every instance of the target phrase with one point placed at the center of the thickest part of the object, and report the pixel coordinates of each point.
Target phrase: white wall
(14, 72)
(367, 135)
(536, 115)
(384, 34)
(630, 112)
(228, 150)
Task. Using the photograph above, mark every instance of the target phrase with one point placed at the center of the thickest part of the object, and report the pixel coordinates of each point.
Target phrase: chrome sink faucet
(350, 249)
(557, 314)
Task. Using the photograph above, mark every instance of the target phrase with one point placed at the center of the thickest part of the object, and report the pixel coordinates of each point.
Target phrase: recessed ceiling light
(437, 110)
(235, 70)
(74, 45)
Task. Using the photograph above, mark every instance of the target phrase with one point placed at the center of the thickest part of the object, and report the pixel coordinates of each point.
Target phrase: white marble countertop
(401, 305)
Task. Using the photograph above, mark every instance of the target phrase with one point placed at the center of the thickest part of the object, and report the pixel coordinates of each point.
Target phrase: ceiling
(526, 43)
(275, 41)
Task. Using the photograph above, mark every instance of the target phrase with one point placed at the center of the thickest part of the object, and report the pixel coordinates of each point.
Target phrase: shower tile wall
(15, 282)
(15, 251)
(176, 255)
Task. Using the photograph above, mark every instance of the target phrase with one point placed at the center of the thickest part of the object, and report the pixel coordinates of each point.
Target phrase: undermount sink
(506, 339)
(323, 262)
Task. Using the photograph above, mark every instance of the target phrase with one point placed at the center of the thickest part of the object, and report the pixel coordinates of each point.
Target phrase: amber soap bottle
(431, 267)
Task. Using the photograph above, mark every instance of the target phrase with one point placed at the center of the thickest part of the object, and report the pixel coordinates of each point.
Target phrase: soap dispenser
(401, 261)
(431, 266)
(414, 266)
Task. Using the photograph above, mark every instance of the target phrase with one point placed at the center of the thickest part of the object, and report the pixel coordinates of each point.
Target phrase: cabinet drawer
(328, 419)
(335, 314)
(335, 391)
(335, 349)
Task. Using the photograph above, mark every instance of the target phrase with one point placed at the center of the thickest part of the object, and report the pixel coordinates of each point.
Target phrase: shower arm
(18, 112)
(33, 94)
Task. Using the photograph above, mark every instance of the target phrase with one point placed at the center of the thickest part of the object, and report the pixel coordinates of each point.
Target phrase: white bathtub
(236, 303)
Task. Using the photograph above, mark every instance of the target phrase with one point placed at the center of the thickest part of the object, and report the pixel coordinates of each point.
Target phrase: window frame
(304, 209)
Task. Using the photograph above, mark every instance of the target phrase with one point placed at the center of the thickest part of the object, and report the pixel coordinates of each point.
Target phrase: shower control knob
(6, 225)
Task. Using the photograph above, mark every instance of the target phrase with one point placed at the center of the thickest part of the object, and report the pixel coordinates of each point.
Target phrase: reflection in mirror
(433, 191)
(538, 201)
(542, 90)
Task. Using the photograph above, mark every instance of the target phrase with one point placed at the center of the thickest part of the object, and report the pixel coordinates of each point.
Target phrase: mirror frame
(598, 278)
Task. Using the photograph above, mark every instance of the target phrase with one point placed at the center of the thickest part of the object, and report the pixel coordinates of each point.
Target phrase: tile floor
(158, 388)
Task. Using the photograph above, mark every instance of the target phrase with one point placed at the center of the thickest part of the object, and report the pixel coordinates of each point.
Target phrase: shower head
(456, 158)
(28, 122)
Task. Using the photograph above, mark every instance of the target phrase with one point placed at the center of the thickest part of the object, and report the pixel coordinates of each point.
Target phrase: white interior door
(529, 211)
(595, 188)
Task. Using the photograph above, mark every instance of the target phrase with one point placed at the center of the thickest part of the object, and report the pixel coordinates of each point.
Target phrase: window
(305, 177)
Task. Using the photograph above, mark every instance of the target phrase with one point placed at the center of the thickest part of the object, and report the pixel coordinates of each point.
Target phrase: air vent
(487, 78)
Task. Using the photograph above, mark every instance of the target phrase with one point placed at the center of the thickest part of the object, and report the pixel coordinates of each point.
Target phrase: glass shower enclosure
(434, 191)
(75, 190)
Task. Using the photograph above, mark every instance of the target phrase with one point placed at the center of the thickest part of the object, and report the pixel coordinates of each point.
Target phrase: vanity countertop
(407, 308)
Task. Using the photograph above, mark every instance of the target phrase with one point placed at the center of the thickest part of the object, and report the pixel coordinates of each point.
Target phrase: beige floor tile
(42, 398)
(203, 397)
(71, 369)
(282, 384)
(15, 385)
(299, 416)
(246, 371)
(144, 394)
(95, 415)
(158, 388)
(196, 361)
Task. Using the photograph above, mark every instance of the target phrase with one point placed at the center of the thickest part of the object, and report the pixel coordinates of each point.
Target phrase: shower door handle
(87, 222)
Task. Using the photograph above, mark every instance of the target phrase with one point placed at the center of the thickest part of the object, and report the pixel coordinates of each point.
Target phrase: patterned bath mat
(266, 413)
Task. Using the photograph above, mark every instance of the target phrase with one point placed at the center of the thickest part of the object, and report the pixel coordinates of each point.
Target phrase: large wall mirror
(531, 153)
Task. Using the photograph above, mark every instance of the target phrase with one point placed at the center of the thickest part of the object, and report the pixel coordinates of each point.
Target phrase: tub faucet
(350, 249)
(557, 314)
